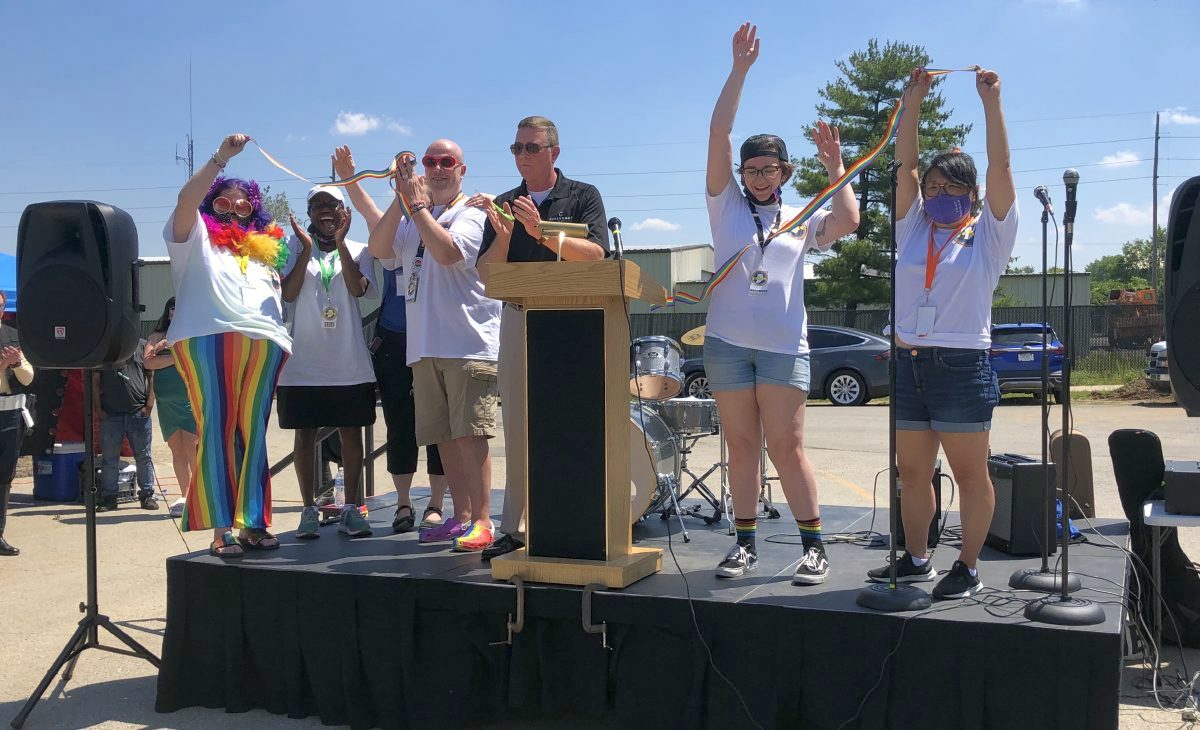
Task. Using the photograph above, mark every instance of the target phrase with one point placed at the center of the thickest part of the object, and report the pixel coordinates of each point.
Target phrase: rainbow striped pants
(230, 381)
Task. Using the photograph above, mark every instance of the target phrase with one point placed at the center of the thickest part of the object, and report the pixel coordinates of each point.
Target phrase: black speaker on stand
(1182, 279)
(77, 277)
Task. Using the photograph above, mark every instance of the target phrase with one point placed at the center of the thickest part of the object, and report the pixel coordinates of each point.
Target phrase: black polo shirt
(569, 201)
(123, 387)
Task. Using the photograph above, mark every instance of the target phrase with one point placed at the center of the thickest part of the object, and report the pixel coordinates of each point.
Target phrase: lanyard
(451, 204)
(762, 237)
(327, 268)
(931, 257)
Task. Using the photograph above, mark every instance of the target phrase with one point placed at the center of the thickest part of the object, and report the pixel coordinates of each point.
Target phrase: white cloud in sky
(356, 124)
(296, 137)
(1179, 115)
(1124, 214)
(1121, 158)
(654, 224)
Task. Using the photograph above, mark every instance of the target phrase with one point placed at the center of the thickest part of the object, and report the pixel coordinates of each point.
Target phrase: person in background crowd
(14, 416)
(126, 398)
(175, 420)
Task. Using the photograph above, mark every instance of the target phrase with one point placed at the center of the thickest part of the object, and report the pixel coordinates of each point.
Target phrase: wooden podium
(576, 401)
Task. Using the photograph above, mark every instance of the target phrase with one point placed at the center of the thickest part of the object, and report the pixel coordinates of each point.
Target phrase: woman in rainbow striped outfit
(229, 343)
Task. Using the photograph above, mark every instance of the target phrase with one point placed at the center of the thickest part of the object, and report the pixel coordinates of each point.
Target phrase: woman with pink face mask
(952, 245)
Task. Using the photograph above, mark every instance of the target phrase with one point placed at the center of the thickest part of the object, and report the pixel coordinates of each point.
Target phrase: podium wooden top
(522, 282)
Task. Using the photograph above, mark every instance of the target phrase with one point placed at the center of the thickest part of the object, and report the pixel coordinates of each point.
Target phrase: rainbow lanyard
(815, 204)
(383, 174)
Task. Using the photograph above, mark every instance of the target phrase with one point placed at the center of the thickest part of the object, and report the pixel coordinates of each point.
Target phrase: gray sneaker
(310, 524)
(353, 523)
(738, 561)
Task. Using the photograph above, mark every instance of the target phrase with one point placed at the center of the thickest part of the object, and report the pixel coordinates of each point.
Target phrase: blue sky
(96, 100)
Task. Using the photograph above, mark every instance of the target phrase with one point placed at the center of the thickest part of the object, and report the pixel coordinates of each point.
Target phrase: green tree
(1129, 269)
(858, 104)
(1012, 267)
(277, 205)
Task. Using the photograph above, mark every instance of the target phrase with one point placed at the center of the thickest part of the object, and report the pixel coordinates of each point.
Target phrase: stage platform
(385, 632)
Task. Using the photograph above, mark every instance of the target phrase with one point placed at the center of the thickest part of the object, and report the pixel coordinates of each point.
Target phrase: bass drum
(652, 474)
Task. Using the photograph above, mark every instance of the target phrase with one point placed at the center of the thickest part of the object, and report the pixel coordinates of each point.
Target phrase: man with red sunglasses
(453, 332)
(544, 194)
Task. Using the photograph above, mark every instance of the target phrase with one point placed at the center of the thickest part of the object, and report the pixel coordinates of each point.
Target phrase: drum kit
(664, 429)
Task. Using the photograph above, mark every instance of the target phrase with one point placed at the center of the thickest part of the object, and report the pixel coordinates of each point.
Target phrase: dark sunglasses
(224, 206)
(446, 162)
(531, 147)
(327, 203)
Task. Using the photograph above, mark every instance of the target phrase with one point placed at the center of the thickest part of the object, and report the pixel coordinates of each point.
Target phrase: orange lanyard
(932, 258)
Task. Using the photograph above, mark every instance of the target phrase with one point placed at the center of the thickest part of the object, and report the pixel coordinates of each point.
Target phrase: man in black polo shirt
(126, 400)
(544, 194)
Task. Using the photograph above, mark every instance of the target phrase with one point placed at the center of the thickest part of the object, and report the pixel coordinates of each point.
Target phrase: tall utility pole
(1154, 211)
(190, 159)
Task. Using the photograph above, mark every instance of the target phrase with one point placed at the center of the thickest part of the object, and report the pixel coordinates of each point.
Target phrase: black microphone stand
(1062, 609)
(86, 636)
(893, 597)
(1043, 579)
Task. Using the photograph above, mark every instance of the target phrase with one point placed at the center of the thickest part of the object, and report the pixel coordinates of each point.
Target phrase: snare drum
(651, 479)
(690, 416)
(654, 362)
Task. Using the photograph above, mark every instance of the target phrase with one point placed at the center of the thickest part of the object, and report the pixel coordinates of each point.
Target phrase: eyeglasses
(327, 203)
(240, 207)
(446, 162)
(768, 171)
(531, 147)
(932, 190)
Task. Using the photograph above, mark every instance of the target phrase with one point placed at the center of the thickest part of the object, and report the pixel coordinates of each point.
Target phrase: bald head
(445, 147)
(444, 170)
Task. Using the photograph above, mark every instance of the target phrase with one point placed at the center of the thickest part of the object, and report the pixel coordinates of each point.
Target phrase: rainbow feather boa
(268, 246)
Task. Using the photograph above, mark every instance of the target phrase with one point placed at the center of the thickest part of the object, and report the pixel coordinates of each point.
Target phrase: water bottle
(339, 488)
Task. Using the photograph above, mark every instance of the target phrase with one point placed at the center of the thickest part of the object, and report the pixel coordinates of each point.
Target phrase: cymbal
(693, 337)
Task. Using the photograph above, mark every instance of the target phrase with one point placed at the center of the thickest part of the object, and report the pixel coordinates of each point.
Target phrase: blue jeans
(137, 427)
(732, 367)
(947, 389)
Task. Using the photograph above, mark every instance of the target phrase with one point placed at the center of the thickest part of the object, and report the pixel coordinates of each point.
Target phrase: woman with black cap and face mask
(755, 345)
(952, 245)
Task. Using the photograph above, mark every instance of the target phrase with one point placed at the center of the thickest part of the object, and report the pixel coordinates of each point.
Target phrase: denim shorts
(730, 367)
(944, 389)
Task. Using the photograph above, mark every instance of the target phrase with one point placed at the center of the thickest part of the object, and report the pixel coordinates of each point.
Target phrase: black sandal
(258, 539)
(425, 523)
(229, 548)
(404, 523)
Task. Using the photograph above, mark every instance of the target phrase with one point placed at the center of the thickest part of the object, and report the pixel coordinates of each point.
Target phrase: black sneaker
(906, 572)
(813, 567)
(738, 561)
(107, 504)
(958, 583)
(503, 546)
(149, 502)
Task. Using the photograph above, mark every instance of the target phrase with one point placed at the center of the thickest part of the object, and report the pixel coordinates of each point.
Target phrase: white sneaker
(177, 507)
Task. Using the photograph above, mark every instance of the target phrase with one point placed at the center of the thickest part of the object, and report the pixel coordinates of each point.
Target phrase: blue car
(1016, 356)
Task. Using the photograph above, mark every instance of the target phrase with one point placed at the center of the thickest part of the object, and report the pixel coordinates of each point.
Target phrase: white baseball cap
(335, 193)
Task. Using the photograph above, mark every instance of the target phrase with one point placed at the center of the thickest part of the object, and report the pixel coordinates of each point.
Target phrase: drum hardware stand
(706, 494)
(672, 487)
(765, 493)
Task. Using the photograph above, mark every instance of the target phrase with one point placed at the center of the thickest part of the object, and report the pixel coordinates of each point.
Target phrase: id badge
(250, 297)
(400, 279)
(329, 317)
(758, 282)
(414, 281)
(925, 317)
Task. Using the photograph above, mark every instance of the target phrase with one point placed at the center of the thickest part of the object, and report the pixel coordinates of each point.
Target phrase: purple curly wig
(259, 220)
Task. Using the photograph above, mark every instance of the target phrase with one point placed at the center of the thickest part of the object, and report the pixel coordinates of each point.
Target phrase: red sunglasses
(241, 207)
(446, 162)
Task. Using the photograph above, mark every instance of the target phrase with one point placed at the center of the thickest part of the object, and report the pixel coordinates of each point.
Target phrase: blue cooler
(56, 477)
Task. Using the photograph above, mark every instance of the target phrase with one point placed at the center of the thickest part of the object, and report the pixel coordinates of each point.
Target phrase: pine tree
(859, 104)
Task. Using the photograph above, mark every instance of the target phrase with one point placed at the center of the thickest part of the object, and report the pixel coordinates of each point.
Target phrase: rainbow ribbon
(383, 174)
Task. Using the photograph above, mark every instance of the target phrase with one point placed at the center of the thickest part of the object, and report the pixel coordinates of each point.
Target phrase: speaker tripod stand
(87, 634)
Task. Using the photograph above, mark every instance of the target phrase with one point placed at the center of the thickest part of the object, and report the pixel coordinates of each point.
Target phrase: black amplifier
(1025, 489)
(1181, 487)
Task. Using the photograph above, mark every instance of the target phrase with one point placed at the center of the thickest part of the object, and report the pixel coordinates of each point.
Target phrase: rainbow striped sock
(746, 530)
(810, 531)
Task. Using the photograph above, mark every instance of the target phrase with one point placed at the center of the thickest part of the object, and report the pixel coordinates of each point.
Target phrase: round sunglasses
(240, 207)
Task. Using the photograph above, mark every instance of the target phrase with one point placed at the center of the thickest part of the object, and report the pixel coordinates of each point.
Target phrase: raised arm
(383, 235)
(908, 153)
(343, 165)
(720, 149)
(293, 282)
(196, 188)
(843, 218)
(1000, 190)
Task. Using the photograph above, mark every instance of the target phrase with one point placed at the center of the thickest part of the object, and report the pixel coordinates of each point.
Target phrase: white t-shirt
(773, 320)
(966, 277)
(451, 317)
(212, 296)
(323, 355)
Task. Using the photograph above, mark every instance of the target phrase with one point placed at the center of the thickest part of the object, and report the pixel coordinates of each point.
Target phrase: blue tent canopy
(8, 280)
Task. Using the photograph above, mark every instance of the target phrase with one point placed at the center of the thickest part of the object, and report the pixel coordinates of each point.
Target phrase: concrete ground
(42, 588)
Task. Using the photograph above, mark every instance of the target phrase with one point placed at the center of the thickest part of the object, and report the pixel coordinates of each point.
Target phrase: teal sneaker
(310, 524)
(354, 522)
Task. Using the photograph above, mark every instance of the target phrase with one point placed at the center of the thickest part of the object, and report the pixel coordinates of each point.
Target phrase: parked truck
(1134, 319)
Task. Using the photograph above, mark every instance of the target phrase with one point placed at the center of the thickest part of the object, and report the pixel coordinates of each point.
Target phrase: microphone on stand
(614, 226)
(1071, 181)
(1043, 196)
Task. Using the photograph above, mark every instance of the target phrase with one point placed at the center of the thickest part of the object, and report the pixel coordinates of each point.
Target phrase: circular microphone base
(1071, 612)
(1033, 579)
(893, 599)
